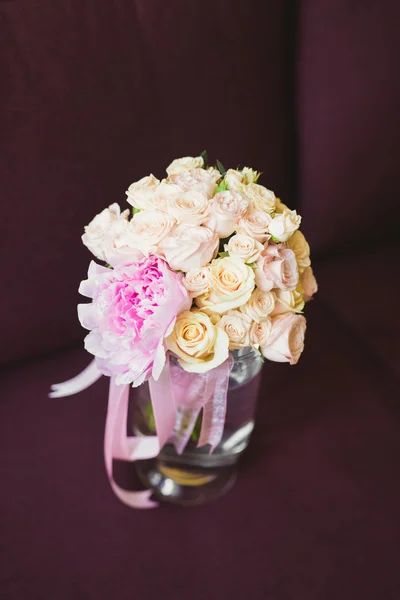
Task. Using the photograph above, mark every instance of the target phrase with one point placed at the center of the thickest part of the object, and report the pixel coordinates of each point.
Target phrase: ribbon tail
(77, 384)
(214, 409)
(132, 448)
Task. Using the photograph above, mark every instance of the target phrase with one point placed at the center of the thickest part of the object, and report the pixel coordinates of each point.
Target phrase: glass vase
(198, 476)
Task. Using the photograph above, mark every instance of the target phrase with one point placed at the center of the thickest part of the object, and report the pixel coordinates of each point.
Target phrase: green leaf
(221, 168)
(204, 156)
(222, 187)
(223, 254)
(274, 239)
(135, 210)
(108, 266)
(253, 265)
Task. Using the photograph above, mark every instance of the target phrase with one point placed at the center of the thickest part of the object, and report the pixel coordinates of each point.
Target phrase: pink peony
(277, 268)
(133, 309)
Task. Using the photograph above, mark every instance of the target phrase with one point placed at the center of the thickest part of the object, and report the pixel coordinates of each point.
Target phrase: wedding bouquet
(204, 262)
(207, 261)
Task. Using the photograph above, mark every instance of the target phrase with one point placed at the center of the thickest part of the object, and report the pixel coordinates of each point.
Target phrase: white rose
(189, 247)
(201, 180)
(146, 230)
(232, 283)
(284, 225)
(189, 207)
(226, 209)
(260, 197)
(260, 305)
(237, 327)
(300, 247)
(287, 301)
(235, 180)
(244, 247)
(185, 164)
(260, 332)
(140, 194)
(197, 281)
(100, 232)
(286, 341)
(249, 175)
(197, 342)
(255, 223)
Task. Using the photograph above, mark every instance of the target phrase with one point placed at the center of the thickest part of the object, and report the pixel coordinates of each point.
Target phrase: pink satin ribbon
(177, 399)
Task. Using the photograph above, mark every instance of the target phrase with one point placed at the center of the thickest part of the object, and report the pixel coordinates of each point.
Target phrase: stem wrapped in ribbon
(177, 399)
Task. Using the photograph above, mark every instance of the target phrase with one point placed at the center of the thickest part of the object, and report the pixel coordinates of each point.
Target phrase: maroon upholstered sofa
(95, 94)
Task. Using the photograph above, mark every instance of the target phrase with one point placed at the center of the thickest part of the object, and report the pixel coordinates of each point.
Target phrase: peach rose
(197, 342)
(140, 194)
(100, 233)
(284, 225)
(299, 245)
(226, 209)
(237, 327)
(189, 247)
(185, 164)
(255, 223)
(309, 284)
(260, 305)
(201, 180)
(287, 301)
(197, 281)
(277, 268)
(189, 207)
(260, 197)
(260, 332)
(286, 341)
(232, 283)
(244, 247)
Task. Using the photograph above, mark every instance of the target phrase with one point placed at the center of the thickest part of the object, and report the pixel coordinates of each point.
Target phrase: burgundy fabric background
(93, 95)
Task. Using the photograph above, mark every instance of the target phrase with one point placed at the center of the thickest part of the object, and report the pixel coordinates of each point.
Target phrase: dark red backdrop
(96, 94)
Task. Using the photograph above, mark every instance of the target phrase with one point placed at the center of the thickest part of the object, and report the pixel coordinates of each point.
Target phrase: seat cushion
(314, 513)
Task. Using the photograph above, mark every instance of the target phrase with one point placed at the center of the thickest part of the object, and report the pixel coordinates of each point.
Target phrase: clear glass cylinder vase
(198, 476)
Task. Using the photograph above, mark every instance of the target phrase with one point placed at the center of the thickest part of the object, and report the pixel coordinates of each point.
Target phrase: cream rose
(226, 209)
(232, 283)
(288, 301)
(189, 247)
(286, 341)
(100, 233)
(189, 207)
(284, 225)
(255, 223)
(238, 179)
(201, 180)
(244, 247)
(260, 197)
(260, 305)
(185, 164)
(146, 230)
(309, 284)
(277, 268)
(197, 342)
(260, 332)
(237, 327)
(300, 247)
(197, 281)
(140, 194)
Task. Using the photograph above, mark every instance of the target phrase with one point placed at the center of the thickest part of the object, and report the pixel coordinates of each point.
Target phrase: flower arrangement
(209, 261)
(206, 262)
